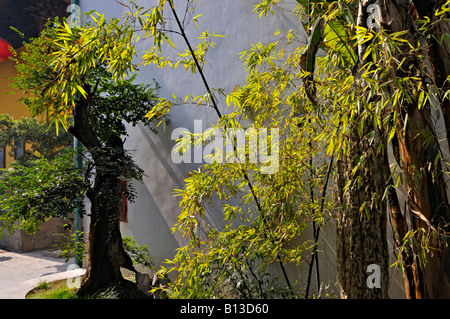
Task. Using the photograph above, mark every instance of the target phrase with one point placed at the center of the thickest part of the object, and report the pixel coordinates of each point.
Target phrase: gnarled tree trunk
(106, 254)
(361, 233)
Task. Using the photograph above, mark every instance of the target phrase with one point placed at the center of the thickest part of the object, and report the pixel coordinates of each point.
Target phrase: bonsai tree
(78, 79)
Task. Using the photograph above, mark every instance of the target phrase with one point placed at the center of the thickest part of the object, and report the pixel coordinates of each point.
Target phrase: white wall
(156, 209)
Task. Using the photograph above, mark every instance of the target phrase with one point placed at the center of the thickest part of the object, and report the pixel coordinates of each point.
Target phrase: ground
(21, 272)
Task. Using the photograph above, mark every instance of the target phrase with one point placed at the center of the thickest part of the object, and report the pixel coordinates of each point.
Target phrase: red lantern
(5, 50)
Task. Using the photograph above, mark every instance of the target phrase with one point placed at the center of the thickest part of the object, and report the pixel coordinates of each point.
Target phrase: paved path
(21, 272)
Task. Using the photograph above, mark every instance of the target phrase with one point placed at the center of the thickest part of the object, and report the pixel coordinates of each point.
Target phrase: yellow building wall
(9, 103)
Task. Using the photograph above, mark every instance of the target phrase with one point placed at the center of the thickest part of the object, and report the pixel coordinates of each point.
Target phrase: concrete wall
(48, 235)
(156, 209)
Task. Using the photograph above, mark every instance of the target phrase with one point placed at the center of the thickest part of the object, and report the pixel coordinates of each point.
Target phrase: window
(2, 158)
(20, 149)
(123, 203)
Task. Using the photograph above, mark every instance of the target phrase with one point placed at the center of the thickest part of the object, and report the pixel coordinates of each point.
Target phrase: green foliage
(63, 63)
(239, 277)
(40, 139)
(53, 290)
(362, 82)
(63, 293)
(270, 217)
(122, 290)
(43, 285)
(72, 244)
(138, 253)
(48, 181)
(77, 52)
(60, 290)
(57, 71)
(264, 215)
(152, 21)
(32, 194)
(317, 104)
(116, 103)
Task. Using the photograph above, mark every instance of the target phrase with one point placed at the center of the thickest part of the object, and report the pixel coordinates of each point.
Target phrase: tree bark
(106, 254)
(412, 275)
(361, 215)
(426, 201)
(439, 53)
(361, 233)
